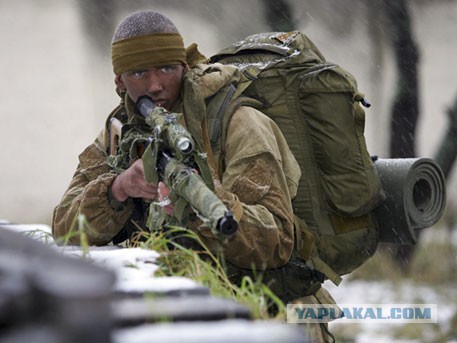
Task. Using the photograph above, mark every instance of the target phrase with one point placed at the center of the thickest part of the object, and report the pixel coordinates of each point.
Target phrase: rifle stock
(115, 134)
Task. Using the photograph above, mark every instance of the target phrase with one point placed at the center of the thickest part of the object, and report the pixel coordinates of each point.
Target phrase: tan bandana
(141, 52)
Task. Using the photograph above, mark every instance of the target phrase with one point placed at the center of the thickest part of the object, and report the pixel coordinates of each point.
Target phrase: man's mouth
(160, 102)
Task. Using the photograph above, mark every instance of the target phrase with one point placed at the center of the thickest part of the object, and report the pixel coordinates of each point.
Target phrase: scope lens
(185, 145)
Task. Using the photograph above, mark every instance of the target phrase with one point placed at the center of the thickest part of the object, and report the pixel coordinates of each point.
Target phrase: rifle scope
(176, 137)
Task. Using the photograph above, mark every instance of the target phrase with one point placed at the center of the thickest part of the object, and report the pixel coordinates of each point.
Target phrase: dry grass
(433, 261)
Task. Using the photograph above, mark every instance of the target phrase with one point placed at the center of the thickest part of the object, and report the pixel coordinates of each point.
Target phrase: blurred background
(57, 89)
(57, 83)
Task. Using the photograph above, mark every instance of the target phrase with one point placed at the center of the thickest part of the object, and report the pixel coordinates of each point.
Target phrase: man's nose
(154, 84)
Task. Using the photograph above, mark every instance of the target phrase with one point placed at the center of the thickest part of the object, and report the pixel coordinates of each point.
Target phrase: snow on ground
(135, 270)
(386, 292)
(403, 291)
(198, 332)
(134, 267)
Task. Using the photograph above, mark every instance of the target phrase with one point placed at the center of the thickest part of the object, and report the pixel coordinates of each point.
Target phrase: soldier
(255, 174)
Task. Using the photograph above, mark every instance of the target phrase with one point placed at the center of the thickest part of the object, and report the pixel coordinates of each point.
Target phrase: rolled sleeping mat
(416, 198)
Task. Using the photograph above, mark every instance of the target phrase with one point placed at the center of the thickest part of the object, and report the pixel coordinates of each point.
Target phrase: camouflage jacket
(259, 179)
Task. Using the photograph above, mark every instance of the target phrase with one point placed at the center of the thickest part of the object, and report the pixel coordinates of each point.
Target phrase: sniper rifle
(170, 155)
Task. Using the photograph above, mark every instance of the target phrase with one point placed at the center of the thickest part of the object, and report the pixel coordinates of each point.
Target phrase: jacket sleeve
(260, 179)
(88, 195)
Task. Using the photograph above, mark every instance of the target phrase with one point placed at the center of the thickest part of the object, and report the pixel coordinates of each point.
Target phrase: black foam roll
(416, 198)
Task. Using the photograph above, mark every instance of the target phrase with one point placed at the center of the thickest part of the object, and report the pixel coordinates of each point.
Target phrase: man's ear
(120, 85)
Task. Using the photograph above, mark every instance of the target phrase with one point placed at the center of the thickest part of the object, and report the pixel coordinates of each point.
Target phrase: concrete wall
(56, 89)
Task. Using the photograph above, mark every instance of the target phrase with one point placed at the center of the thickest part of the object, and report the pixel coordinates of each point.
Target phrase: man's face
(162, 84)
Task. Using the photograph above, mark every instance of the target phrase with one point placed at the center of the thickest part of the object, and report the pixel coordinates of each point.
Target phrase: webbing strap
(316, 263)
(305, 244)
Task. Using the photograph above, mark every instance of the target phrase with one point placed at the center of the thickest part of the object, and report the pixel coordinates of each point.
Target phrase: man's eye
(167, 69)
(138, 74)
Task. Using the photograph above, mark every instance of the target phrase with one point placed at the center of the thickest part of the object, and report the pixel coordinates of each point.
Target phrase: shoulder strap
(228, 112)
(220, 111)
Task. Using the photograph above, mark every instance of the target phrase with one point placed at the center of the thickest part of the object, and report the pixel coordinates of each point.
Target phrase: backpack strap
(227, 115)
(305, 245)
(220, 110)
(219, 104)
(231, 108)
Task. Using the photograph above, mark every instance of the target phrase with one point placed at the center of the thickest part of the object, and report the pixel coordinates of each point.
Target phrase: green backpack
(316, 105)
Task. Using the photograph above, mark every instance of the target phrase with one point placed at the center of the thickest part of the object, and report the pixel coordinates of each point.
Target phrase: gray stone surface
(52, 294)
